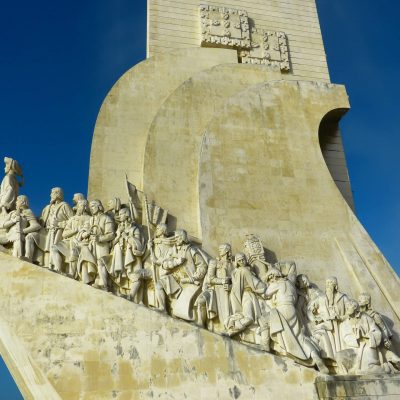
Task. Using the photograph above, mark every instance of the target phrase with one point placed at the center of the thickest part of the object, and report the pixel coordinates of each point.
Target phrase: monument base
(358, 387)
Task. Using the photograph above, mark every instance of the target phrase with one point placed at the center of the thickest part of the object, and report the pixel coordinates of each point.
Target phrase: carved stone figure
(286, 331)
(362, 334)
(76, 197)
(96, 240)
(18, 224)
(243, 297)
(255, 254)
(9, 188)
(266, 305)
(329, 311)
(53, 219)
(213, 304)
(113, 207)
(129, 247)
(321, 330)
(69, 247)
(181, 277)
(159, 248)
(390, 360)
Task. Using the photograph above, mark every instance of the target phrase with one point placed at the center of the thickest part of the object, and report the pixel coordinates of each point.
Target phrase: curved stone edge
(129, 108)
(351, 247)
(173, 145)
(31, 381)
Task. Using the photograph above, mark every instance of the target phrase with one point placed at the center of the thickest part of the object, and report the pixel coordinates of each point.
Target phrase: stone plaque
(268, 48)
(224, 27)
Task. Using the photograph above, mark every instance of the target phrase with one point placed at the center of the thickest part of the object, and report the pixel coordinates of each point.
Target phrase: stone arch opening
(330, 141)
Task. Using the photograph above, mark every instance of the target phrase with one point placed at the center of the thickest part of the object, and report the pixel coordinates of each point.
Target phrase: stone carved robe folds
(9, 189)
(26, 223)
(285, 328)
(97, 248)
(181, 276)
(216, 294)
(129, 245)
(54, 218)
(362, 334)
(243, 298)
(69, 247)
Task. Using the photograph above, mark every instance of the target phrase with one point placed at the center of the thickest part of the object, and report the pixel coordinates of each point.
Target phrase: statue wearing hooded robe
(9, 187)
(96, 239)
(286, 333)
(126, 258)
(18, 224)
(244, 297)
(213, 304)
(361, 334)
(181, 276)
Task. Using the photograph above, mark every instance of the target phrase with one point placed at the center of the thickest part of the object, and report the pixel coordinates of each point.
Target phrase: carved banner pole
(133, 209)
(153, 267)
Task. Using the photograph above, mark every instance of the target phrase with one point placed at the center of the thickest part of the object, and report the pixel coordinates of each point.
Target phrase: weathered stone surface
(176, 24)
(92, 345)
(125, 117)
(369, 387)
(262, 171)
(173, 149)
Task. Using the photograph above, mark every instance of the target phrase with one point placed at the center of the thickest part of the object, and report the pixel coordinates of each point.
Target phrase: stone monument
(219, 230)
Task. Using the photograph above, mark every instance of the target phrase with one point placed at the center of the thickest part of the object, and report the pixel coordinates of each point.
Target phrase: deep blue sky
(59, 59)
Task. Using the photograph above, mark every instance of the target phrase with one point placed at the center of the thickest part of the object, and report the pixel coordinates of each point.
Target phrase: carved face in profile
(224, 249)
(161, 230)
(80, 207)
(7, 167)
(303, 282)
(77, 197)
(56, 194)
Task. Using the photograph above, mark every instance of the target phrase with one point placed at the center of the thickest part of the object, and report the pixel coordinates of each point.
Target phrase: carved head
(331, 284)
(82, 207)
(12, 165)
(364, 300)
(302, 281)
(225, 249)
(273, 275)
(22, 202)
(77, 197)
(56, 194)
(114, 204)
(352, 308)
(181, 237)
(240, 260)
(96, 207)
(161, 230)
(124, 214)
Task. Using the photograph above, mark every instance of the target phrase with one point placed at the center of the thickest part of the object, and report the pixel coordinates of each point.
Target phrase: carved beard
(330, 294)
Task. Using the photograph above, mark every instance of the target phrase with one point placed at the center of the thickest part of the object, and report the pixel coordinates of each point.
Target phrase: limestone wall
(175, 24)
(76, 342)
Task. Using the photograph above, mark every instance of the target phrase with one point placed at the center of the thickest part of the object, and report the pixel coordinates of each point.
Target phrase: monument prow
(219, 231)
